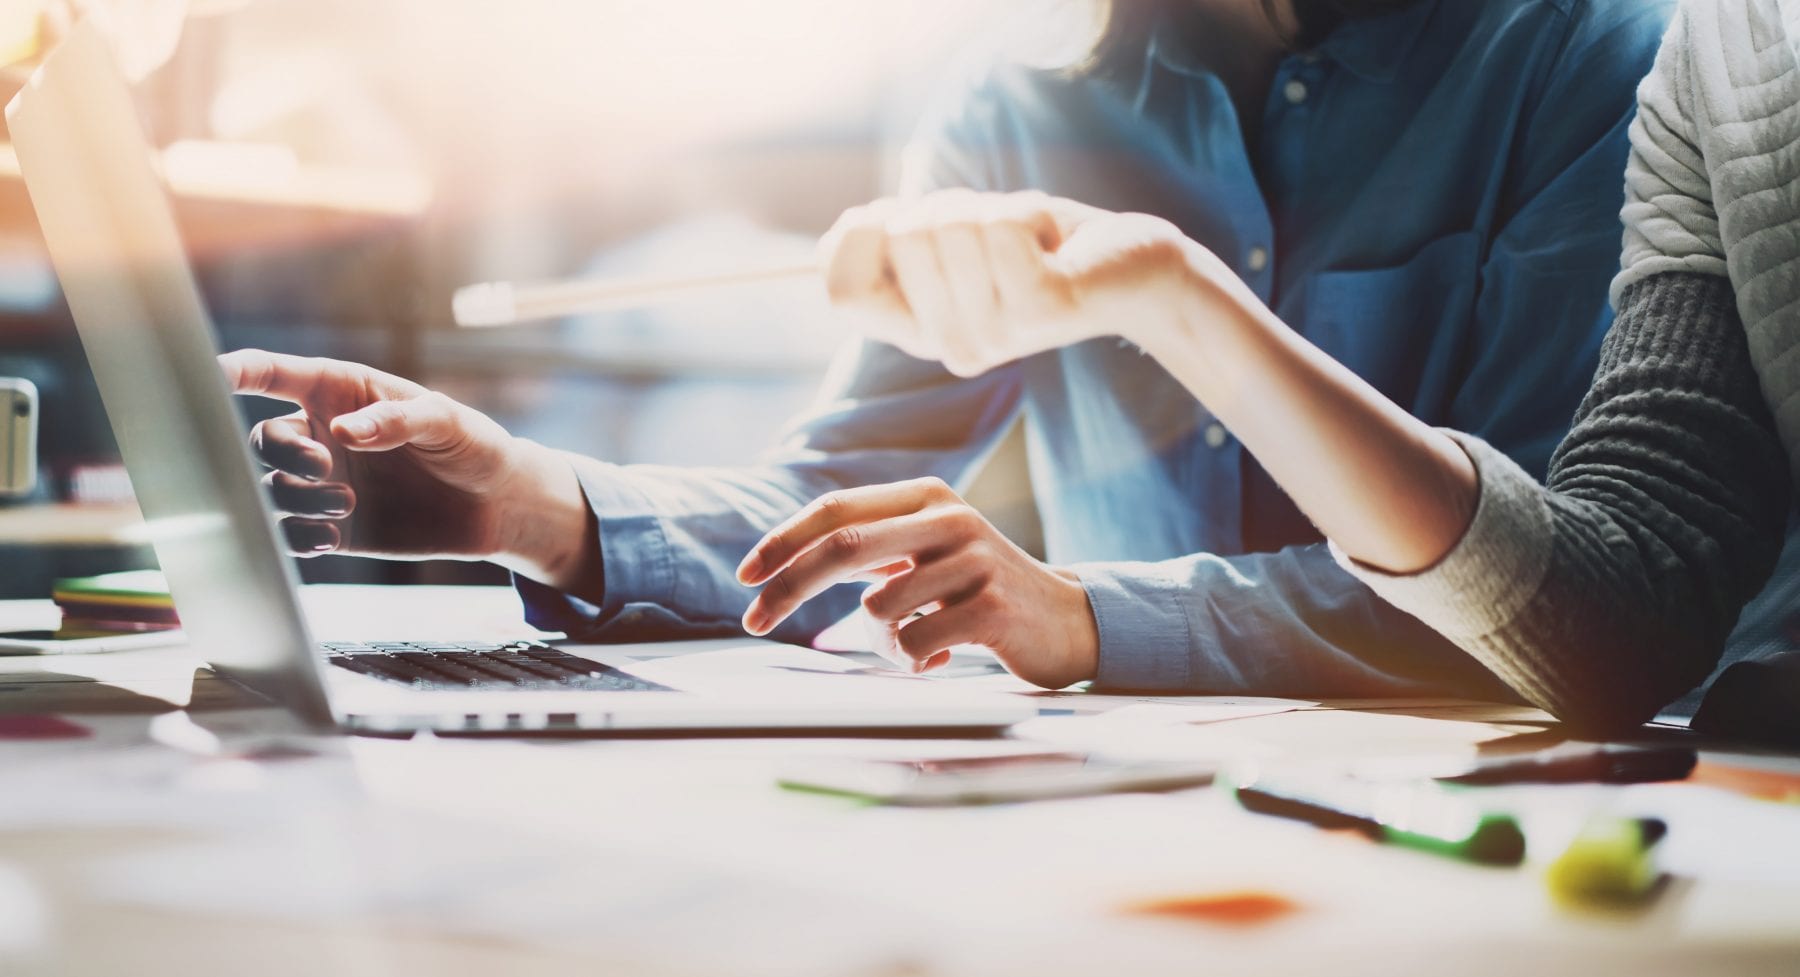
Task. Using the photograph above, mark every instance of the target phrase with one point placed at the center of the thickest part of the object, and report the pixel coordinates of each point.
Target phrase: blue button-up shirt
(1432, 198)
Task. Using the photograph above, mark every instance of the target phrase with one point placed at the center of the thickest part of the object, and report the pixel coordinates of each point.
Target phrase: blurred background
(339, 167)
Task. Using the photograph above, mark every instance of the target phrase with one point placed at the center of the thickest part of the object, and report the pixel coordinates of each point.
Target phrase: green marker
(1415, 814)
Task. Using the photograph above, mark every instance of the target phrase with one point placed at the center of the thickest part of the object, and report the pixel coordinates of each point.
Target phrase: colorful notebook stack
(114, 603)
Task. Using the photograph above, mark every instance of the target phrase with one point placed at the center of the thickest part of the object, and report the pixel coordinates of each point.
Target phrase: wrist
(1210, 336)
(1082, 654)
(546, 529)
(1194, 289)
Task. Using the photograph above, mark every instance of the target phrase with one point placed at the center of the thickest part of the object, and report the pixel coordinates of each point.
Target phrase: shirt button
(1215, 435)
(1294, 91)
(1257, 259)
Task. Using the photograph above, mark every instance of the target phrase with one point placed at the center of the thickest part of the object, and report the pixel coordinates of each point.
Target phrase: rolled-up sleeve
(1609, 593)
(1493, 571)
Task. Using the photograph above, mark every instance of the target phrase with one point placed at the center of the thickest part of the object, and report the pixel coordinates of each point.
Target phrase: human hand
(373, 464)
(933, 553)
(977, 280)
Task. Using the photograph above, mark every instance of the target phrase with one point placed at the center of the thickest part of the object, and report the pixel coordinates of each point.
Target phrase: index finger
(278, 375)
(829, 514)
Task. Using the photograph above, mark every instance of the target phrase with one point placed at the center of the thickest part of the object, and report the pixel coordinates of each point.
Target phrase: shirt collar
(1373, 48)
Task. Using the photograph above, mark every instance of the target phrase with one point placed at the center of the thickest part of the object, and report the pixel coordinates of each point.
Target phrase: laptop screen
(112, 238)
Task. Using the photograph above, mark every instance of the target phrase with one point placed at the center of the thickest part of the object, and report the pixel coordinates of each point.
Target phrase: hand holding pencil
(969, 279)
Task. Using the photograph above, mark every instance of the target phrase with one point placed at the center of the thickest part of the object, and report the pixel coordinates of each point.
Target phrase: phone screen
(32, 636)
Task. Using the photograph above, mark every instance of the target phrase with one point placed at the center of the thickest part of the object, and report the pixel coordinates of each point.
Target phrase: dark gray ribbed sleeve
(1609, 593)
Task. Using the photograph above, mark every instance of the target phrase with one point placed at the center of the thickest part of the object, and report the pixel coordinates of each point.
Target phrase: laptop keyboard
(456, 665)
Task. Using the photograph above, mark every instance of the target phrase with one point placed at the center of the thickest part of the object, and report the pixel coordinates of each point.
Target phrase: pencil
(491, 304)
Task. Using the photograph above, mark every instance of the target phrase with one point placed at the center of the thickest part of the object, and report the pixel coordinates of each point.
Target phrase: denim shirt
(1432, 199)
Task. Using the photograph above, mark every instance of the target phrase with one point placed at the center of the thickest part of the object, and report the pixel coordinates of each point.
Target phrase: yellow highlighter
(1610, 864)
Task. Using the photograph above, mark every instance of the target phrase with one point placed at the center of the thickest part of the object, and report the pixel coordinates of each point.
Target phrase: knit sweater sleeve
(1607, 594)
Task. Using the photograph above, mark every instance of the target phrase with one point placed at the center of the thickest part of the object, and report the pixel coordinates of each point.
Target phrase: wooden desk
(679, 856)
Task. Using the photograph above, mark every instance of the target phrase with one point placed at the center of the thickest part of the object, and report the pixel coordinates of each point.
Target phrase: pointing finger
(833, 512)
(282, 376)
(841, 557)
(264, 374)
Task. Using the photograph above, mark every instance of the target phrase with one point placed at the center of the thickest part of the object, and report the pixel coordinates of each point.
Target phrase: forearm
(1390, 490)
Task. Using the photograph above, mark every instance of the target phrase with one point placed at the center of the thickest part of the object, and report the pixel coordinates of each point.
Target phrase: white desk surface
(128, 851)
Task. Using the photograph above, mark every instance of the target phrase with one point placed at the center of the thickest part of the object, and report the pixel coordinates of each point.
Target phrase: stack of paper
(114, 603)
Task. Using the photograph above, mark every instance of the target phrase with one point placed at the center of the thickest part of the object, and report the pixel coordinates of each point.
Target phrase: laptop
(113, 241)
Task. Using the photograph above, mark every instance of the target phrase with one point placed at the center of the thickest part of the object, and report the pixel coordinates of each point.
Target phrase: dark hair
(1124, 27)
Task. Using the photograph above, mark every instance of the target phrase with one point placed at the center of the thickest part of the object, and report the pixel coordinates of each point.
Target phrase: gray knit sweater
(1609, 592)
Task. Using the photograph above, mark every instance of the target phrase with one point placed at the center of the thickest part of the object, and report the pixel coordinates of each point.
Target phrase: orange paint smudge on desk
(1767, 785)
(1224, 908)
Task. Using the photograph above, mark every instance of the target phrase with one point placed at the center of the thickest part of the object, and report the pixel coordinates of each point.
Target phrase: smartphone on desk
(989, 779)
(47, 642)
